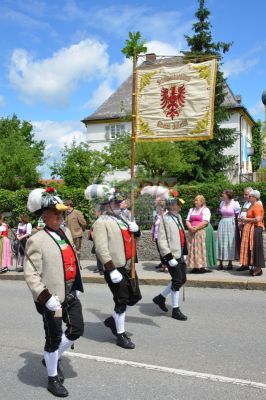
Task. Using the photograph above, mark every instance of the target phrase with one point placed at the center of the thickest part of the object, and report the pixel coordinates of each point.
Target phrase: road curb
(222, 284)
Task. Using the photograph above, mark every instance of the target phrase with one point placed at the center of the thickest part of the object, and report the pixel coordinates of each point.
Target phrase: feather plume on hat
(43, 199)
(104, 193)
(155, 191)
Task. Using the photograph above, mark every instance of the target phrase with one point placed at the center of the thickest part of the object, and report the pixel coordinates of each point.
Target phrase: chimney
(151, 57)
(238, 98)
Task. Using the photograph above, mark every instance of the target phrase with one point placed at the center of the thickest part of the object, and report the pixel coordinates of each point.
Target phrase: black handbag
(133, 289)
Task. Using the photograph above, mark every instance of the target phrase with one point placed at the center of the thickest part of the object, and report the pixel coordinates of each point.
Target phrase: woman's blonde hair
(201, 198)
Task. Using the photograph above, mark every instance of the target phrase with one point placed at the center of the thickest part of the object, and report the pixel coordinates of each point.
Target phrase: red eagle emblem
(173, 100)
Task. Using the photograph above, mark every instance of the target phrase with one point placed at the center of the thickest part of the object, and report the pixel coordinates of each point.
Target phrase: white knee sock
(167, 290)
(51, 360)
(175, 298)
(119, 321)
(65, 344)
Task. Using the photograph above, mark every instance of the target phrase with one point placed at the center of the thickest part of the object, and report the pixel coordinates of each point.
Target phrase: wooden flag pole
(132, 194)
(134, 47)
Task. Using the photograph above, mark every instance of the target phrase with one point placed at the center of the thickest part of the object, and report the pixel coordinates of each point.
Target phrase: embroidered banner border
(175, 102)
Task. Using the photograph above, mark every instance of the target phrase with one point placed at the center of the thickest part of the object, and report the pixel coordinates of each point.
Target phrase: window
(114, 131)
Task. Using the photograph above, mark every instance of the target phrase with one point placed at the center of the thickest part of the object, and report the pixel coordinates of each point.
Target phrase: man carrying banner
(112, 238)
(52, 273)
(172, 245)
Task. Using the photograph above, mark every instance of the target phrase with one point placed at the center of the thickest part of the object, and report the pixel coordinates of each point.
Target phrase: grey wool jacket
(109, 242)
(48, 276)
(169, 237)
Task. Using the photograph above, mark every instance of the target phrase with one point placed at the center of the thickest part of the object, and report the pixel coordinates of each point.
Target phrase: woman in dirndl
(227, 244)
(251, 252)
(201, 242)
(5, 248)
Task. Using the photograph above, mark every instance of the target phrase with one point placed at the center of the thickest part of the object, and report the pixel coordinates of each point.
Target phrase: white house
(112, 118)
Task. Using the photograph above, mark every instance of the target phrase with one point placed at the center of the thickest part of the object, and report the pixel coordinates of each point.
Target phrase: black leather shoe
(56, 387)
(204, 270)
(177, 314)
(160, 301)
(124, 341)
(59, 370)
(242, 268)
(256, 271)
(110, 323)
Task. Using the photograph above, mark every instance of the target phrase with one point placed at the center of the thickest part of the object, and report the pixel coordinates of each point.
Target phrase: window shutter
(112, 135)
(107, 132)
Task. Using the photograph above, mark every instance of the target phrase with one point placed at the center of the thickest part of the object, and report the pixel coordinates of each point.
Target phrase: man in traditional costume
(112, 239)
(76, 223)
(173, 249)
(52, 274)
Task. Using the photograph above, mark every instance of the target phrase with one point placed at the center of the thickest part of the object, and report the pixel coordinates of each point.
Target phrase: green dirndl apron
(210, 247)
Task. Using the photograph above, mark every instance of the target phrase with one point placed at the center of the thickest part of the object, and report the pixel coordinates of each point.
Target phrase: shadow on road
(150, 309)
(33, 373)
(129, 319)
(97, 332)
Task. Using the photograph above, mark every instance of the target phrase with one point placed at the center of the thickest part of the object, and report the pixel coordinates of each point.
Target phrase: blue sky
(61, 59)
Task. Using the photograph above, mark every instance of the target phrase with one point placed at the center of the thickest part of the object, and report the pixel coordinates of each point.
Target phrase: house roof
(118, 105)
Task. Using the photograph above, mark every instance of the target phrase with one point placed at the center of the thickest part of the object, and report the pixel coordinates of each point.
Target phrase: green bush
(212, 193)
(15, 202)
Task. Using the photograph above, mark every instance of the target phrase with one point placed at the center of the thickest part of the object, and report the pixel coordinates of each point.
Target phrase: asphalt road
(223, 339)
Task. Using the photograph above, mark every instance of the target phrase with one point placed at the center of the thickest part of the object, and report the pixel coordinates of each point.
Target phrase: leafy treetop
(134, 45)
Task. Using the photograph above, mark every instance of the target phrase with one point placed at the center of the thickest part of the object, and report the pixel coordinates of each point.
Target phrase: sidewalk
(148, 275)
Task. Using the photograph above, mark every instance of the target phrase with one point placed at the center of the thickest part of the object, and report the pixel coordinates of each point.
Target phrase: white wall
(97, 138)
(246, 134)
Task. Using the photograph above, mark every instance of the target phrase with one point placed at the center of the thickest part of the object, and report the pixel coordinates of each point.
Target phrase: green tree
(20, 154)
(211, 160)
(80, 166)
(152, 159)
(257, 144)
(134, 45)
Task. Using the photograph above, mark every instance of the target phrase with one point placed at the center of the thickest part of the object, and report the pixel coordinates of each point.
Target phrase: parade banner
(175, 101)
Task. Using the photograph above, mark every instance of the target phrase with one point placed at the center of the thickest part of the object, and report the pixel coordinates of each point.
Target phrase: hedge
(15, 202)
(211, 192)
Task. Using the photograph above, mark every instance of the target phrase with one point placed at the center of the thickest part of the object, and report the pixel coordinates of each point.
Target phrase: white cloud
(53, 79)
(119, 72)
(238, 65)
(158, 25)
(56, 134)
(257, 110)
(99, 95)
(120, 19)
(162, 48)
(2, 101)
(23, 20)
